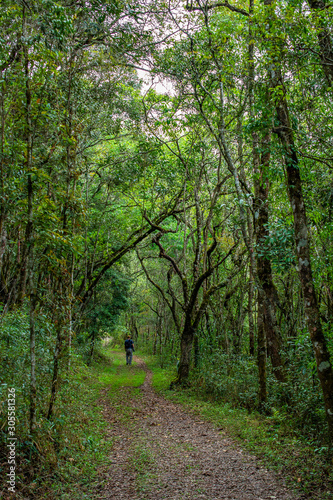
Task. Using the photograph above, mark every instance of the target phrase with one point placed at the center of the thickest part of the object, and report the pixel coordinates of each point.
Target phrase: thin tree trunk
(261, 354)
(250, 314)
(155, 338)
(56, 359)
(33, 383)
(255, 159)
(196, 350)
(29, 226)
(92, 348)
(3, 238)
(27, 265)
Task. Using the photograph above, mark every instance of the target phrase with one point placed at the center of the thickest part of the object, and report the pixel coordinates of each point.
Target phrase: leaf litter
(162, 452)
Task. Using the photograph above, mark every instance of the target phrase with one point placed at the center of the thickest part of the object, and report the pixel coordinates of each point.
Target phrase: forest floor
(162, 451)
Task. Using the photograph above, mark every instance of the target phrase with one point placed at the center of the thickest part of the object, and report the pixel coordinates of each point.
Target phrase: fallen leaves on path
(163, 453)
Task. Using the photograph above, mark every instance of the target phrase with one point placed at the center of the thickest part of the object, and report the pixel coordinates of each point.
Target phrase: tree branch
(164, 255)
(218, 4)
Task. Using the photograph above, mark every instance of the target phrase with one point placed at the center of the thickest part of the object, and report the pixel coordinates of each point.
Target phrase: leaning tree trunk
(284, 131)
(312, 314)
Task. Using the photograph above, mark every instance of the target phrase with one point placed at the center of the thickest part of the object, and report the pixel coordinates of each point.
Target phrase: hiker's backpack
(128, 344)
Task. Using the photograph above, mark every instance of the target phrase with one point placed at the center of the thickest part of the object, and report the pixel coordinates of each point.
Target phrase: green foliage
(110, 300)
(274, 439)
(277, 247)
(230, 379)
(93, 166)
(64, 453)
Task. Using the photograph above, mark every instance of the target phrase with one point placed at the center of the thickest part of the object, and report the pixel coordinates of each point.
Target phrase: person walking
(129, 348)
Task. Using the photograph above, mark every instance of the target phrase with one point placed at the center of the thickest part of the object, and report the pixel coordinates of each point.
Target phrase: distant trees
(242, 79)
(213, 201)
(198, 245)
(70, 147)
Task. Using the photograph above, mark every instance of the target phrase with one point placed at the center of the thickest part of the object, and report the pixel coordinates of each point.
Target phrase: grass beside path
(80, 430)
(75, 473)
(303, 466)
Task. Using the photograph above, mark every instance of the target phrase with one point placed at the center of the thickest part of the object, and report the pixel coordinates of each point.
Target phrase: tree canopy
(198, 215)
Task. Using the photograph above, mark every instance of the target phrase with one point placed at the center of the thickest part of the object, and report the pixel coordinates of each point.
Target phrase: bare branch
(218, 4)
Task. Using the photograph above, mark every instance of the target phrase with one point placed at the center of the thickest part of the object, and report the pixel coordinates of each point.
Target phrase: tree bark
(33, 383)
(56, 359)
(302, 240)
(261, 354)
(57, 351)
(29, 227)
(186, 344)
(324, 41)
(3, 239)
(264, 268)
(250, 314)
(92, 348)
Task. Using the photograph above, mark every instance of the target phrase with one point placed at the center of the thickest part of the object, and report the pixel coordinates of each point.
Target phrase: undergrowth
(63, 458)
(304, 464)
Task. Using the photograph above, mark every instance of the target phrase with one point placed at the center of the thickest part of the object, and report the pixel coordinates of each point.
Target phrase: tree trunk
(136, 332)
(261, 354)
(3, 234)
(264, 268)
(155, 340)
(196, 350)
(56, 359)
(295, 192)
(92, 348)
(29, 226)
(33, 385)
(186, 344)
(324, 40)
(250, 314)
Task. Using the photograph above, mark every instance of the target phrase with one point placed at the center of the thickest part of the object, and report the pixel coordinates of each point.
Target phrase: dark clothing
(129, 348)
(129, 356)
(129, 344)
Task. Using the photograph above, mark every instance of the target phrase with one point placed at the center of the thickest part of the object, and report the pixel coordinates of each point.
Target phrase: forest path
(162, 452)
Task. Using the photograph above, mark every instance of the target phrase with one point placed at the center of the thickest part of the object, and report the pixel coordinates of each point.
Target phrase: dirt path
(162, 452)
